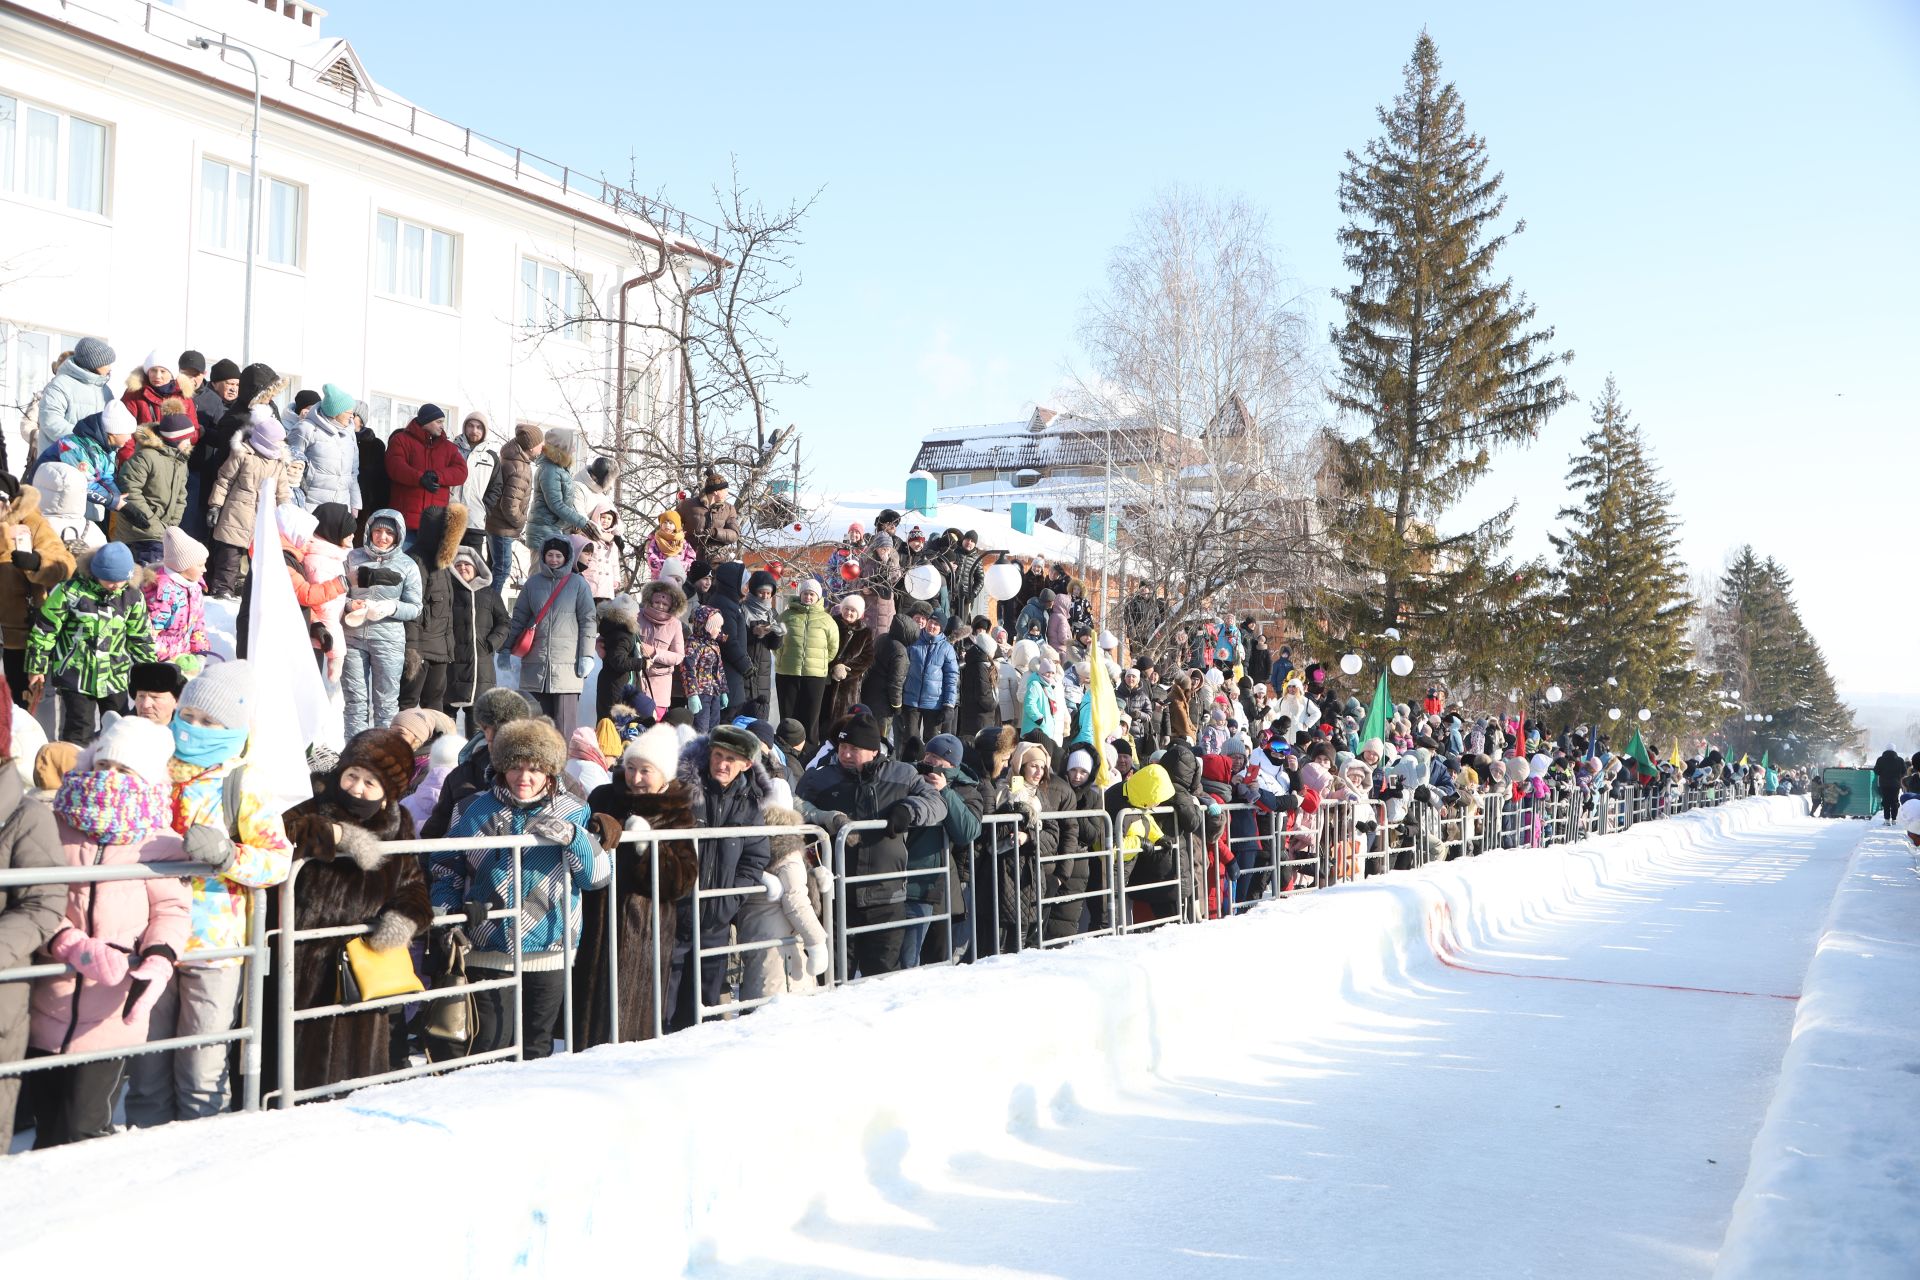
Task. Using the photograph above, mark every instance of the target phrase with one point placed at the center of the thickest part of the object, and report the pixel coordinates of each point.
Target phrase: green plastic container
(1850, 793)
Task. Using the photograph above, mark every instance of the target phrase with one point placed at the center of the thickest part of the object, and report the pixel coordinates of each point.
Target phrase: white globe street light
(1645, 715)
(1402, 665)
(1350, 663)
(1553, 693)
(1613, 713)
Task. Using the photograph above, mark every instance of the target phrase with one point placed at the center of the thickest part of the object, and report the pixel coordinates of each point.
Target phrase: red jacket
(410, 455)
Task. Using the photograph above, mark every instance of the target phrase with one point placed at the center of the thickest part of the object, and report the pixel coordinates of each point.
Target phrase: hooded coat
(553, 511)
(509, 494)
(729, 588)
(668, 638)
(330, 461)
(29, 917)
(794, 914)
(243, 477)
(23, 591)
(385, 636)
(74, 394)
(411, 454)
(344, 881)
(479, 629)
(618, 632)
(628, 894)
(88, 451)
(564, 636)
(154, 481)
(258, 384)
(886, 682)
(430, 633)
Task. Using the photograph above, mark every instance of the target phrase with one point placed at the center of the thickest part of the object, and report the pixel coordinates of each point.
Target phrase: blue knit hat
(334, 401)
(112, 563)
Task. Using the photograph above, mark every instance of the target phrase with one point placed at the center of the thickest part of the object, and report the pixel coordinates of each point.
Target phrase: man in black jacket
(885, 686)
(1888, 770)
(728, 590)
(858, 785)
(728, 787)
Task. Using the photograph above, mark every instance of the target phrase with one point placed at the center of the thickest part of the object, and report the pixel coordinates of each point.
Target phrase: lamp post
(253, 188)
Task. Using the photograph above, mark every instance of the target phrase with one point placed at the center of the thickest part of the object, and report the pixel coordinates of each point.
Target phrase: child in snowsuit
(383, 595)
(85, 638)
(703, 673)
(175, 603)
(668, 542)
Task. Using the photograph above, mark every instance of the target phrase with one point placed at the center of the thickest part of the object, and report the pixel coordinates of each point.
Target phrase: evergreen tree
(1621, 595)
(1763, 652)
(1442, 363)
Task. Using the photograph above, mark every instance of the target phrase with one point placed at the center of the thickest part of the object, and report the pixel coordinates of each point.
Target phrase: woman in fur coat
(642, 796)
(430, 634)
(850, 662)
(347, 880)
(794, 966)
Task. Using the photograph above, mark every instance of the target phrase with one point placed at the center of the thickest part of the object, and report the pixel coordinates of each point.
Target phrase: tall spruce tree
(1621, 595)
(1442, 363)
(1763, 652)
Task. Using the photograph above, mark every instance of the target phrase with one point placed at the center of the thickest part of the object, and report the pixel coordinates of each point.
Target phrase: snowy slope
(1834, 1188)
(736, 1148)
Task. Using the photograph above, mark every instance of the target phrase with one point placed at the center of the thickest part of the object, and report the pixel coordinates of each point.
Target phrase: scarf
(669, 538)
(110, 807)
(656, 615)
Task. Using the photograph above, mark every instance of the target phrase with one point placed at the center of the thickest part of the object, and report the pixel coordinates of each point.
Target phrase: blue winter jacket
(553, 512)
(87, 451)
(933, 673)
(388, 634)
(332, 457)
(546, 871)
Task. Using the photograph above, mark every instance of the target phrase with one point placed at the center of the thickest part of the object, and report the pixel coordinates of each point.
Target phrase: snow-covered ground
(1574, 1091)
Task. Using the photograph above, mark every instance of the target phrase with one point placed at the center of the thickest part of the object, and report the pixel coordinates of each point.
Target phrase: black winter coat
(886, 684)
(728, 580)
(376, 490)
(620, 663)
(633, 880)
(979, 700)
(480, 620)
(430, 635)
(733, 862)
(864, 794)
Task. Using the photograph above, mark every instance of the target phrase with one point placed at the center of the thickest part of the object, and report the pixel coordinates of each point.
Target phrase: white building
(399, 255)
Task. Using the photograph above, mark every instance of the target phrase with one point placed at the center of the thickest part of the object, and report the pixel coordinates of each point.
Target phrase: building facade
(399, 255)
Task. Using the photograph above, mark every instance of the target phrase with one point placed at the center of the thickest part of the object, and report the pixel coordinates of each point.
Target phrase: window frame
(13, 178)
(259, 204)
(428, 231)
(384, 404)
(577, 286)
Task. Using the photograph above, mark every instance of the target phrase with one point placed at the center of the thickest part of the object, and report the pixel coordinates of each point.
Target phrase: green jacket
(154, 480)
(87, 640)
(813, 637)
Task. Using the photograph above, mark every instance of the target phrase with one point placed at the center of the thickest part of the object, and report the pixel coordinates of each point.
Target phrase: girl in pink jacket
(175, 603)
(121, 936)
(662, 641)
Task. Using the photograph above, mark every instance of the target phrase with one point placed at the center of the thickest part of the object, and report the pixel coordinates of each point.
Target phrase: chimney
(296, 11)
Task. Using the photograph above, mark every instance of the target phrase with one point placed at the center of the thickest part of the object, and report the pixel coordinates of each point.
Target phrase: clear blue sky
(1721, 199)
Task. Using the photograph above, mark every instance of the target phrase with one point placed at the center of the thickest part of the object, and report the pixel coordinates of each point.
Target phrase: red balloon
(683, 495)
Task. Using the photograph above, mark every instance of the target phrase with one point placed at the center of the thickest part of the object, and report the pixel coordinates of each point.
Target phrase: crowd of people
(944, 738)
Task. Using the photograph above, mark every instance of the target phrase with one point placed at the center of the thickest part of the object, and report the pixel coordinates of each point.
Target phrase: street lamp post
(253, 188)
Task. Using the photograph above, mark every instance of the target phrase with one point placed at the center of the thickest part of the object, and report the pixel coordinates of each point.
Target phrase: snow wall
(1833, 1187)
(649, 1158)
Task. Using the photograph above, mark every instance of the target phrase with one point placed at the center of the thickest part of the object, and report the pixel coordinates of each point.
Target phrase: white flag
(291, 707)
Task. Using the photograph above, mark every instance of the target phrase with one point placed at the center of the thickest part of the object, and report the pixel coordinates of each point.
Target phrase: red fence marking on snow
(1441, 941)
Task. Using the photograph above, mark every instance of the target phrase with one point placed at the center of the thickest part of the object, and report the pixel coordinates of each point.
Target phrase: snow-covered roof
(829, 515)
(1045, 440)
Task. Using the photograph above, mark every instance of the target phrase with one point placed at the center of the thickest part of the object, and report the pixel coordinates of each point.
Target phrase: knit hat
(855, 531)
(556, 543)
(947, 747)
(296, 523)
(190, 361)
(740, 742)
(334, 401)
(857, 603)
(112, 563)
(223, 693)
(223, 370)
(305, 399)
(423, 724)
(915, 535)
(52, 763)
(117, 420)
(429, 413)
(385, 754)
(859, 731)
(761, 578)
(813, 585)
(498, 706)
(265, 433)
(180, 551)
(156, 677)
(659, 746)
(699, 569)
(714, 483)
(139, 745)
(1079, 758)
(92, 353)
(332, 522)
(174, 427)
(529, 742)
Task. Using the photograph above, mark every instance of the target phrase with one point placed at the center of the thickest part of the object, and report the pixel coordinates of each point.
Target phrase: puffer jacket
(668, 638)
(22, 592)
(546, 871)
(481, 461)
(933, 673)
(812, 638)
(258, 385)
(389, 632)
(726, 862)
(63, 505)
(411, 453)
(329, 457)
(73, 395)
(176, 610)
(243, 477)
(430, 634)
(553, 512)
(88, 452)
(564, 636)
(863, 794)
(72, 1014)
(87, 639)
(29, 915)
(154, 481)
(509, 494)
(479, 629)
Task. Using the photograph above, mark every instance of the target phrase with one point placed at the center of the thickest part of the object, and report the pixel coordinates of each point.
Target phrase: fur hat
(659, 746)
(500, 706)
(715, 483)
(737, 741)
(156, 677)
(529, 742)
(855, 602)
(386, 754)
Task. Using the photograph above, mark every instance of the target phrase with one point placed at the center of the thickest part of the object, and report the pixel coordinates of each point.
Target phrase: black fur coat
(669, 810)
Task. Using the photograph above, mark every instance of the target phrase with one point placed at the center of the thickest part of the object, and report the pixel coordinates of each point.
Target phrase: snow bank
(1834, 1184)
(709, 1146)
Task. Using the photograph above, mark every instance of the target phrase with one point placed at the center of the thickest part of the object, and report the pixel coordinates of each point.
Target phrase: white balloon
(1350, 663)
(1613, 713)
(1213, 677)
(1402, 665)
(1553, 693)
(923, 582)
(1003, 581)
(1645, 715)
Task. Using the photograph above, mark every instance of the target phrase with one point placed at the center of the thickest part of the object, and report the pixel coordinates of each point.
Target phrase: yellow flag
(1676, 753)
(1743, 759)
(1103, 714)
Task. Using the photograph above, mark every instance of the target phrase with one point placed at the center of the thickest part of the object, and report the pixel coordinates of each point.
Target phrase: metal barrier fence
(1283, 854)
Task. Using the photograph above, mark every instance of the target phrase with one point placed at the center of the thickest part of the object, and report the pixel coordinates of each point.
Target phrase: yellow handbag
(366, 974)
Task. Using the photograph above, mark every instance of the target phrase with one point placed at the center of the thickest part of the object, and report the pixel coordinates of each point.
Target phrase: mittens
(818, 959)
(771, 883)
(211, 845)
(91, 958)
(552, 830)
(837, 672)
(150, 978)
(583, 665)
(26, 561)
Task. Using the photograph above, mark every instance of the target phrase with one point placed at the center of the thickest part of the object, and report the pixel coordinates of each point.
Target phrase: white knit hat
(157, 358)
(138, 744)
(659, 747)
(117, 420)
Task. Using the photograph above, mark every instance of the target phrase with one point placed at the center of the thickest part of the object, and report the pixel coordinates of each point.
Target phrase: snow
(830, 514)
(1834, 1187)
(1307, 1085)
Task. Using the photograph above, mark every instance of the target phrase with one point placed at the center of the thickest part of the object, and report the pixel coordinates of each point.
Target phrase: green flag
(1764, 764)
(1379, 714)
(1637, 752)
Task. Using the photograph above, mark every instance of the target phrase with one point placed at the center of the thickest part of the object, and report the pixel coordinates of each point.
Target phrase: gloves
(833, 822)
(818, 958)
(379, 610)
(899, 817)
(91, 958)
(372, 575)
(823, 881)
(191, 663)
(430, 481)
(771, 883)
(606, 829)
(551, 830)
(836, 673)
(1366, 826)
(26, 561)
(211, 845)
(693, 703)
(1288, 803)
(476, 913)
(321, 637)
(150, 978)
(583, 665)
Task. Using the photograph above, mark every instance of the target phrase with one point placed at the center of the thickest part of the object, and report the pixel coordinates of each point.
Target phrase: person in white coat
(791, 909)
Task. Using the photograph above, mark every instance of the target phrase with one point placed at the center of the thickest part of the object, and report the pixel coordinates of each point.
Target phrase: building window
(551, 297)
(386, 414)
(224, 204)
(415, 261)
(51, 156)
(26, 361)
